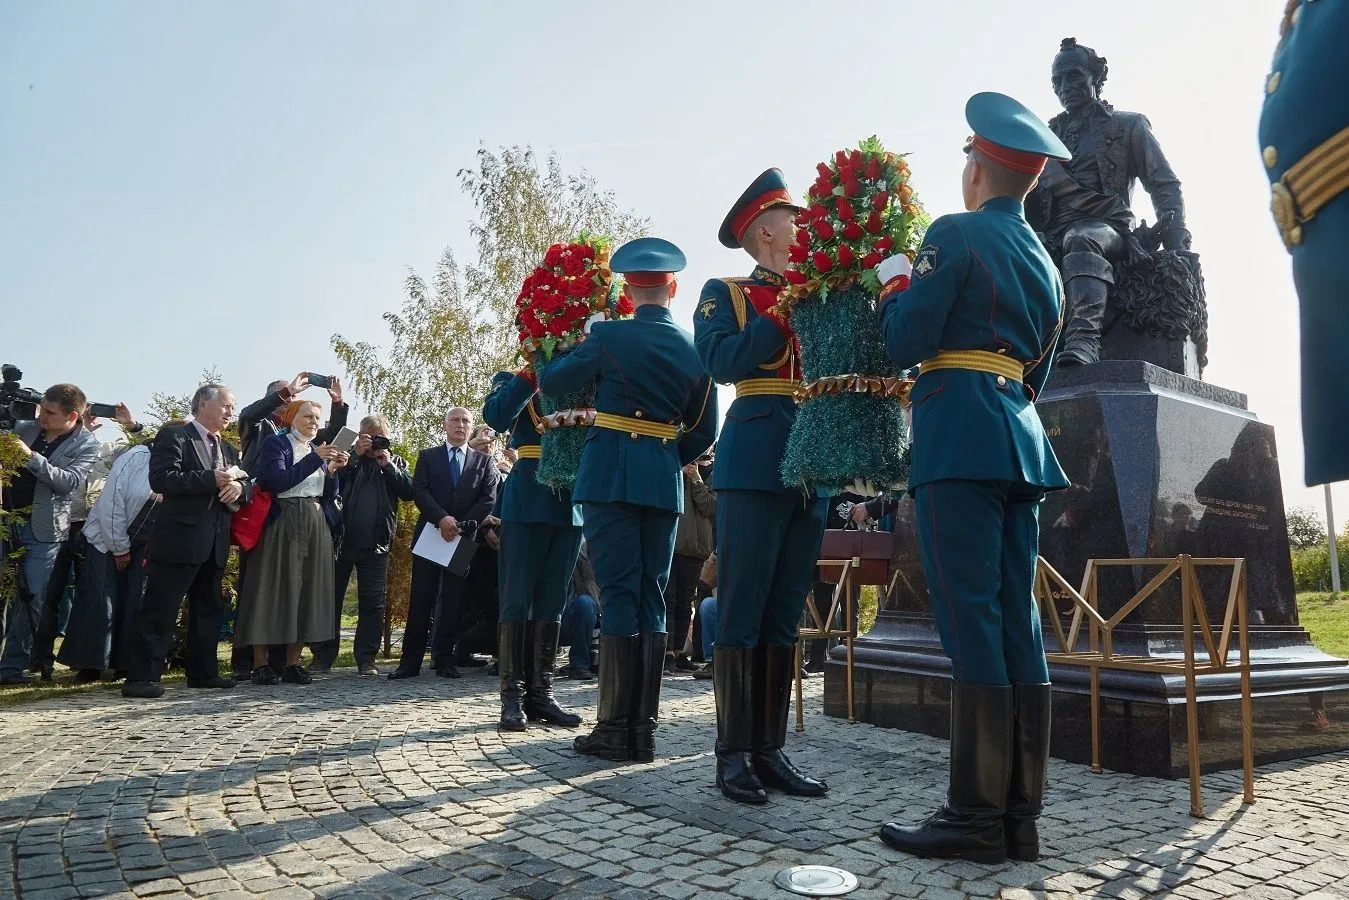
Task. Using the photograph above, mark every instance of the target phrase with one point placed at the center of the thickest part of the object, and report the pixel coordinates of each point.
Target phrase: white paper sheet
(431, 546)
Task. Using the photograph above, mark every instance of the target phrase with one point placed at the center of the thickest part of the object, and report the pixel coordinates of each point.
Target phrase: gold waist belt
(1308, 185)
(766, 387)
(637, 427)
(975, 360)
(529, 451)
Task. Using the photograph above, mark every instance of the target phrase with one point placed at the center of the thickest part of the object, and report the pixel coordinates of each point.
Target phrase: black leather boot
(539, 701)
(733, 686)
(1086, 300)
(610, 739)
(970, 825)
(511, 654)
(773, 682)
(646, 705)
(1030, 769)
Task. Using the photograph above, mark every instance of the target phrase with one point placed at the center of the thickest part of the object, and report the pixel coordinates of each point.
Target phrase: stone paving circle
(355, 787)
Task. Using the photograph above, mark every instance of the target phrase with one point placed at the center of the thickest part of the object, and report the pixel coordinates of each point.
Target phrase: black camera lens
(379, 442)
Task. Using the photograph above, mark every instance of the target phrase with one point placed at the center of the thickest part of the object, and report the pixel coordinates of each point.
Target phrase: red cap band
(1016, 160)
(778, 197)
(648, 279)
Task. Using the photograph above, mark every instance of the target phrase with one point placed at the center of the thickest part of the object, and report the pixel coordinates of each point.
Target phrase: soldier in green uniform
(980, 319)
(1304, 143)
(655, 412)
(768, 534)
(540, 540)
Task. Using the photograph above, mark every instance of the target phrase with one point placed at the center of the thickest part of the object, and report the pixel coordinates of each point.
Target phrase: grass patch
(1327, 620)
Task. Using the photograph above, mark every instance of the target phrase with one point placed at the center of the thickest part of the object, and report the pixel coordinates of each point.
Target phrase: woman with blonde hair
(288, 584)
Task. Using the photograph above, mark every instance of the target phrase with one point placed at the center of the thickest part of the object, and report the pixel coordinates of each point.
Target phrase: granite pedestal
(1161, 464)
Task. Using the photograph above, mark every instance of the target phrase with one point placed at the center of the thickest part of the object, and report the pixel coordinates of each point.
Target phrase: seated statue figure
(1082, 210)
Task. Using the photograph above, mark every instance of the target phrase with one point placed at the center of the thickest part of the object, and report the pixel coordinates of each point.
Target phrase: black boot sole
(749, 798)
(991, 857)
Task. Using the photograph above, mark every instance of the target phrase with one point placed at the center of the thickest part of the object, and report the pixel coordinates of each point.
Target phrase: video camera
(17, 403)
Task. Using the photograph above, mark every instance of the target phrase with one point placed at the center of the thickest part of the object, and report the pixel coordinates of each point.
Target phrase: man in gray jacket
(58, 452)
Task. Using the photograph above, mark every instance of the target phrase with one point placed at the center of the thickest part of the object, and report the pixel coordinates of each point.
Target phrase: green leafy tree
(1305, 528)
(452, 334)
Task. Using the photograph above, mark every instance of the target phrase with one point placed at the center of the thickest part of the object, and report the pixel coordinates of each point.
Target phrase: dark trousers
(632, 578)
(979, 541)
(434, 590)
(94, 634)
(767, 547)
(681, 593)
(69, 565)
(166, 584)
(535, 566)
(372, 579)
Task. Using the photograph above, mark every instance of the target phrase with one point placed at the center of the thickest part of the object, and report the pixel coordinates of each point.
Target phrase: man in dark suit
(452, 483)
(189, 466)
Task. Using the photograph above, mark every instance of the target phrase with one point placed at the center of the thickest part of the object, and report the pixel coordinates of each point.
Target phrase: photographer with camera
(371, 486)
(69, 565)
(58, 453)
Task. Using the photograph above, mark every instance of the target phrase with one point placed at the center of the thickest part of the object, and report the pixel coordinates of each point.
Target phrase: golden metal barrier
(815, 628)
(1194, 617)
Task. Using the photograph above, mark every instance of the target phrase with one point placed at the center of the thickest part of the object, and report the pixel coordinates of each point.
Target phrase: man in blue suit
(1304, 141)
(656, 412)
(980, 319)
(452, 483)
(540, 539)
(768, 534)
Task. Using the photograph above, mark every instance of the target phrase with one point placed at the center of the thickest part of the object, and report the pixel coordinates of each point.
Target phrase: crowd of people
(114, 531)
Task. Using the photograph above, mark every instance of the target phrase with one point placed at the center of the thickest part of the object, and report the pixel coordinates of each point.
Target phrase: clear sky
(188, 184)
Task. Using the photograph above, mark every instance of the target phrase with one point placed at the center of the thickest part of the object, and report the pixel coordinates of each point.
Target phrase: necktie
(215, 450)
(456, 467)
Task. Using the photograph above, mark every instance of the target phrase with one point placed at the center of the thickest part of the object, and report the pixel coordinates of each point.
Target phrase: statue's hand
(1176, 239)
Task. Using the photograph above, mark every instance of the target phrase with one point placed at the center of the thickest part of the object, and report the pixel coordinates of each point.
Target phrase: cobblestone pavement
(361, 788)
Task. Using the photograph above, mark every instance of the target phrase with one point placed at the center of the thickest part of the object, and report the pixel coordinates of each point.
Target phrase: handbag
(872, 549)
(248, 520)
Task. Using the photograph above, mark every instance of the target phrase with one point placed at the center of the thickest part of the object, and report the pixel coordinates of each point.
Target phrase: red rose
(841, 158)
(797, 253)
(586, 252)
(794, 276)
(872, 260)
(874, 224)
(573, 265)
(818, 211)
(850, 187)
(802, 237)
(852, 231)
(625, 307)
(802, 218)
(856, 159)
(885, 243)
(826, 173)
(845, 256)
(580, 287)
(557, 327)
(821, 190)
(874, 168)
(536, 329)
(823, 229)
(880, 201)
(844, 210)
(554, 255)
(822, 261)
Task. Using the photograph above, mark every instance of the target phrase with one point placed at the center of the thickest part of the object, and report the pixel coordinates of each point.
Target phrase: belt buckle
(1283, 205)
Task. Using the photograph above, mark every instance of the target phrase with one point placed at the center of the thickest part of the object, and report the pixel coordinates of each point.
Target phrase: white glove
(893, 267)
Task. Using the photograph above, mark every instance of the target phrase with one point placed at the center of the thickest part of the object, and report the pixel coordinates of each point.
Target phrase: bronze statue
(1082, 210)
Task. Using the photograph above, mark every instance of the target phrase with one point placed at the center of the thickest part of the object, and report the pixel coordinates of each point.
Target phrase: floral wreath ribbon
(563, 418)
(881, 386)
